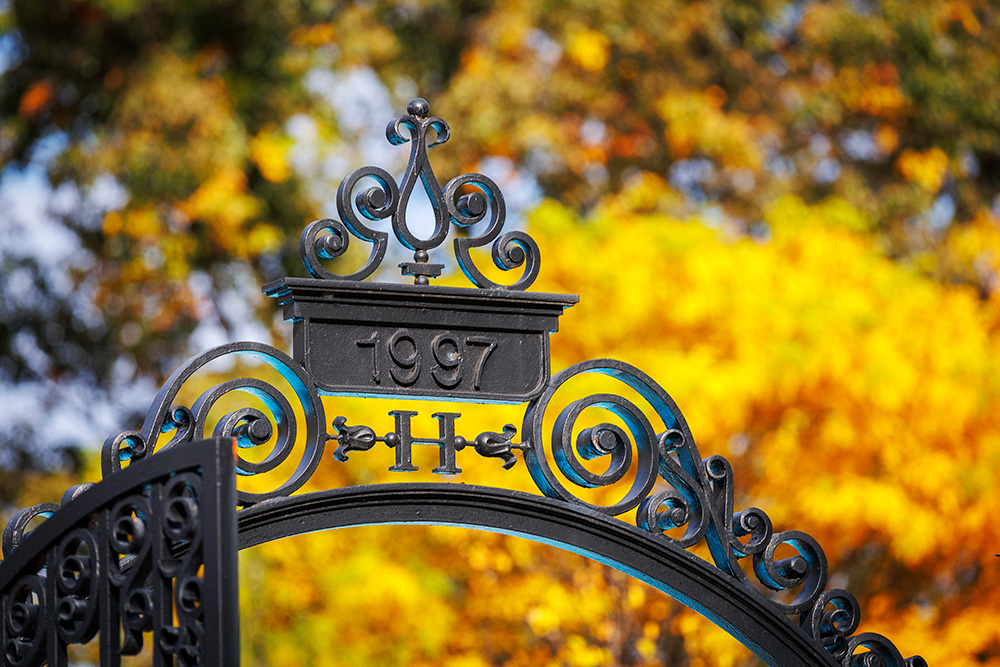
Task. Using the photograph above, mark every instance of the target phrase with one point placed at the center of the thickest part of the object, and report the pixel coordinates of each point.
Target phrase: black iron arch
(148, 553)
(686, 578)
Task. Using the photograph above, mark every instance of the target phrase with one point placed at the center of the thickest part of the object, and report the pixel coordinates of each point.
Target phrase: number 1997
(452, 357)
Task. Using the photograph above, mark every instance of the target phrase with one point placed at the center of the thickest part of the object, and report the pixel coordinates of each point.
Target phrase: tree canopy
(808, 194)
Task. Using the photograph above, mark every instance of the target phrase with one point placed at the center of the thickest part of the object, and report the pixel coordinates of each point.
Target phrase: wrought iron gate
(149, 554)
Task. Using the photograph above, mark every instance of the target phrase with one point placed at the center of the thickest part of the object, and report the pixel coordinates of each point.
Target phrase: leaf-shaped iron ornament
(465, 201)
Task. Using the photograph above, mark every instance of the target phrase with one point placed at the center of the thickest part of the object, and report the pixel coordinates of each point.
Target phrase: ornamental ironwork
(120, 559)
(464, 202)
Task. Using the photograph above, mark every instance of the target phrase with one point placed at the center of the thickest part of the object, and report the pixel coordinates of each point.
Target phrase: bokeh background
(786, 213)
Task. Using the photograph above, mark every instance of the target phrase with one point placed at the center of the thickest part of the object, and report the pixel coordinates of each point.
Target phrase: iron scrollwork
(672, 487)
(249, 426)
(699, 499)
(127, 560)
(464, 201)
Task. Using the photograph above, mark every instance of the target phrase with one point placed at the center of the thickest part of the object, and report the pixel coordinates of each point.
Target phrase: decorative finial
(463, 202)
(418, 107)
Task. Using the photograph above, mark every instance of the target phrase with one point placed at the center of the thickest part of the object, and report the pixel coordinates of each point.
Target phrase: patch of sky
(791, 98)
(36, 245)
(540, 160)
(688, 176)
(826, 171)
(860, 145)
(738, 444)
(547, 50)
(61, 404)
(593, 132)
(107, 193)
(405, 88)
(941, 213)
(714, 217)
(28, 232)
(232, 316)
(969, 164)
(819, 145)
(520, 188)
(12, 49)
(786, 24)
(304, 133)
(760, 231)
(743, 180)
(356, 97)
(864, 7)
(778, 65)
(48, 148)
(596, 174)
(780, 166)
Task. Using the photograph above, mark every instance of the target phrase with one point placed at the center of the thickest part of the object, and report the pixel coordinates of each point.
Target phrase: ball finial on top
(418, 107)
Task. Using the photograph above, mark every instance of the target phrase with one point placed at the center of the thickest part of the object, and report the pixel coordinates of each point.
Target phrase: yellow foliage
(139, 223)
(789, 215)
(269, 151)
(873, 90)
(831, 364)
(113, 223)
(191, 135)
(976, 245)
(578, 653)
(706, 642)
(961, 12)
(927, 169)
(319, 34)
(695, 122)
(802, 354)
(886, 138)
(589, 49)
(224, 204)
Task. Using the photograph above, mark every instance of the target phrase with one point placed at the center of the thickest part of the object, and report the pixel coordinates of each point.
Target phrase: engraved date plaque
(377, 339)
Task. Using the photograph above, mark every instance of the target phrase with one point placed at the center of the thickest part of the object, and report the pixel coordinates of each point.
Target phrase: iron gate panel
(118, 560)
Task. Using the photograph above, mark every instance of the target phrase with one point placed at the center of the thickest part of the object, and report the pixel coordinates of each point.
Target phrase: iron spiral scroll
(142, 562)
(697, 498)
(466, 200)
(251, 427)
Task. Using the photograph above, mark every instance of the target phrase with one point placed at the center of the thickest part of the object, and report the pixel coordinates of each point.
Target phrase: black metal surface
(401, 340)
(465, 201)
(119, 561)
(146, 528)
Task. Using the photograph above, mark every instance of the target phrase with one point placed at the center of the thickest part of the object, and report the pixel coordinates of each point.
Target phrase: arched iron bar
(682, 576)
